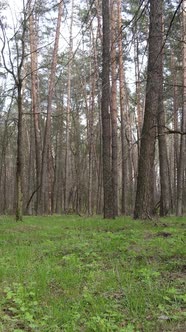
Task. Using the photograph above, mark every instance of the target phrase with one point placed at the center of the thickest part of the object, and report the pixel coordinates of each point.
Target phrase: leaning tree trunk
(144, 204)
(105, 111)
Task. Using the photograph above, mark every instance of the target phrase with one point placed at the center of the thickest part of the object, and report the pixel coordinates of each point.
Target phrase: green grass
(67, 273)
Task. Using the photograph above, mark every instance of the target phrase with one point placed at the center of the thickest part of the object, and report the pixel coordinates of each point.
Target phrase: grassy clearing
(76, 274)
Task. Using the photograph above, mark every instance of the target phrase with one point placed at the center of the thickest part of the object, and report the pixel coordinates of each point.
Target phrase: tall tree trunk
(182, 156)
(67, 152)
(16, 71)
(77, 161)
(90, 121)
(99, 200)
(19, 170)
(29, 155)
(60, 159)
(5, 146)
(123, 112)
(138, 88)
(175, 127)
(105, 108)
(144, 204)
(165, 196)
(46, 176)
(35, 102)
(113, 107)
(19, 85)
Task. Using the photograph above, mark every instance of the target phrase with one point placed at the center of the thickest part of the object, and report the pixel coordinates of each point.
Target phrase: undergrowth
(69, 273)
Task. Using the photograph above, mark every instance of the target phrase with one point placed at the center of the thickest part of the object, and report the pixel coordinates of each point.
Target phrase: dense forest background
(93, 107)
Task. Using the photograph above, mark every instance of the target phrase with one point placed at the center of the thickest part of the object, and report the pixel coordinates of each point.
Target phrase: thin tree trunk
(99, 200)
(91, 127)
(78, 163)
(105, 107)
(181, 166)
(19, 85)
(123, 111)
(5, 144)
(138, 89)
(60, 161)
(113, 107)
(19, 170)
(165, 196)
(35, 103)
(46, 176)
(175, 127)
(164, 168)
(30, 171)
(67, 153)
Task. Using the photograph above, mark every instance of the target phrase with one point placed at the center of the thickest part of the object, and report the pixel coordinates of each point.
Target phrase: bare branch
(4, 41)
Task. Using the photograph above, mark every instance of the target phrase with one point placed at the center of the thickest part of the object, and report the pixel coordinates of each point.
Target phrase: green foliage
(77, 274)
(21, 305)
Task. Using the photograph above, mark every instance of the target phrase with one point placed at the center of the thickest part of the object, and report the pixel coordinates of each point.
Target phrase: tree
(35, 99)
(16, 70)
(105, 109)
(113, 107)
(123, 112)
(67, 152)
(78, 143)
(90, 122)
(46, 176)
(144, 204)
(163, 156)
(181, 164)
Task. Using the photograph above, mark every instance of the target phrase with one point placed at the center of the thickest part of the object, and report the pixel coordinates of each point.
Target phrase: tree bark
(35, 102)
(144, 204)
(138, 88)
(90, 120)
(164, 168)
(113, 107)
(67, 152)
(165, 196)
(182, 155)
(46, 176)
(105, 110)
(19, 170)
(123, 113)
(175, 127)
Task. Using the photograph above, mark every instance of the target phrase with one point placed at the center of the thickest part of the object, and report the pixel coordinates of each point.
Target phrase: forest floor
(69, 273)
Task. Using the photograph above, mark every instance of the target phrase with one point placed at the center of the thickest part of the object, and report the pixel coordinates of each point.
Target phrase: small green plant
(21, 304)
(175, 297)
(73, 274)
